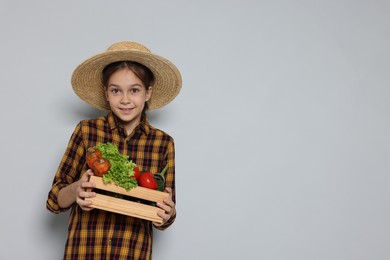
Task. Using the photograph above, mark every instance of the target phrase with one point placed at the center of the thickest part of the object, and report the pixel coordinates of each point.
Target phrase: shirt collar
(113, 122)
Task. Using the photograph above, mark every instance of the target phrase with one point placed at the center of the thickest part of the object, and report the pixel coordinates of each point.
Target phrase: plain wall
(281, 128)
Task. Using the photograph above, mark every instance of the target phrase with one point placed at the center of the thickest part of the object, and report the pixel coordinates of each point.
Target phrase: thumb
(86, 175)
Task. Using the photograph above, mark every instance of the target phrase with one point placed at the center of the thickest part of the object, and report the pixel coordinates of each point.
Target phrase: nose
(126, 99)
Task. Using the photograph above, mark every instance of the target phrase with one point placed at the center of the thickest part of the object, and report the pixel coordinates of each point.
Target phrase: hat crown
(127, 46)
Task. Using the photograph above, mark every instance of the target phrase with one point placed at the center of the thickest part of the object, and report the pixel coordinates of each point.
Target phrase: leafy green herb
(121, 170)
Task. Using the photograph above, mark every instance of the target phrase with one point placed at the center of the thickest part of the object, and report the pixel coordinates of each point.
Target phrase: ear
(106, 93)
(149, 93)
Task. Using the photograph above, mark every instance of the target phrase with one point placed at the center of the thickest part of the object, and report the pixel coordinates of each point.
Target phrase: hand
(82, 191)
(168, 208)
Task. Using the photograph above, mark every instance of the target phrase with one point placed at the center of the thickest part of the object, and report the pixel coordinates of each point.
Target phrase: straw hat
(87, 77)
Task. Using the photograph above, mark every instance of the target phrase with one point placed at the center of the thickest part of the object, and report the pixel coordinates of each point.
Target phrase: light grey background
(281, 128)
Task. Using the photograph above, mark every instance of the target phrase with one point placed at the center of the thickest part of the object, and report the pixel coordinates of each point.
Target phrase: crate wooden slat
(126, 207)
(138, 192)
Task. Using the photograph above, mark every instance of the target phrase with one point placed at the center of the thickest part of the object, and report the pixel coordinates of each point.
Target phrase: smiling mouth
(125, 109)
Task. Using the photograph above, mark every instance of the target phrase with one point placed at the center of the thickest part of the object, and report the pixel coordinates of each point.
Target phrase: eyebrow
(116, 85)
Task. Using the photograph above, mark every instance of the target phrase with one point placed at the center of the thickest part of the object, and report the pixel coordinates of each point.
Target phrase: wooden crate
(126, 207)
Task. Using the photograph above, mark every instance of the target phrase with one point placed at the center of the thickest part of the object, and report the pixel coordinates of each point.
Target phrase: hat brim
(87, 77)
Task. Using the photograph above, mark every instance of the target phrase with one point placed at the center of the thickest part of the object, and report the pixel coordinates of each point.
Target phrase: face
(127, 95)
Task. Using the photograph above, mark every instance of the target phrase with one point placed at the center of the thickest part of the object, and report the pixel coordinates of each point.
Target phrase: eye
(114, 90)
(134, 90)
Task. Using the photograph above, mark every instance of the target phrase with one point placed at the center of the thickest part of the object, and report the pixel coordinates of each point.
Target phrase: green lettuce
(121, 169)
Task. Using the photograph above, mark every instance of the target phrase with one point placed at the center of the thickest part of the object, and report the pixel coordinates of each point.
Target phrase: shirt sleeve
(170, 181)
(69, 169)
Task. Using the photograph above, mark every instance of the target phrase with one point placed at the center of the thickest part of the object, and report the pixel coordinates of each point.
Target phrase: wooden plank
(125, 207)
(138, 192)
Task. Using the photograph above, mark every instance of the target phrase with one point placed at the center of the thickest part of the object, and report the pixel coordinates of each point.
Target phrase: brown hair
(142, 72)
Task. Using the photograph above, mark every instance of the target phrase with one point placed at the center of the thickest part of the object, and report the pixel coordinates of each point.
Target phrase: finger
(169, 202)
(157, 224)
(167, 208)
(86, 208)
(86, 176)
(87, 184)
(163, 215)
(169, 190)
(84, 204)
(87, 194)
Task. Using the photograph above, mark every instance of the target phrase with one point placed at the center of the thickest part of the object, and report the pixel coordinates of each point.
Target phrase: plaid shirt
(99, 234)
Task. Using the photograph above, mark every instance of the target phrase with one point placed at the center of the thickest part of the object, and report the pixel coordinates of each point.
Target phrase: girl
(126, 80)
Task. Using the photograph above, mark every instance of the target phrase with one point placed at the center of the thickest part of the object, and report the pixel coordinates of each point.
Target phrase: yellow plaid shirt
(99, 234)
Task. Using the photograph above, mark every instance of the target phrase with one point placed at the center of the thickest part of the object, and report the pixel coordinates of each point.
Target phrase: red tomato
(92, 155)
(146, 180)
(101, 166)
(137, 173)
